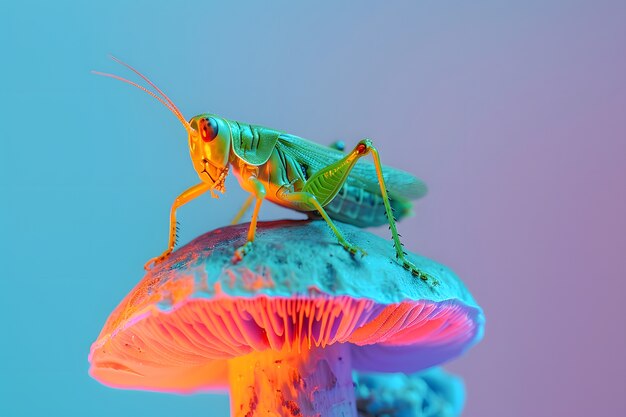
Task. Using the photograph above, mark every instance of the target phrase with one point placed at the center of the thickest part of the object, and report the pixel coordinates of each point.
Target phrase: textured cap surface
(176, 329)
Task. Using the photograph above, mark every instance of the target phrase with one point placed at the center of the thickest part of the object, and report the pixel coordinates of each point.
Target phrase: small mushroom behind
(429, 393)
(283, 329)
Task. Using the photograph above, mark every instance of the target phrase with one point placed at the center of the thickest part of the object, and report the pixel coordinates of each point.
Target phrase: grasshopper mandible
(292, 172)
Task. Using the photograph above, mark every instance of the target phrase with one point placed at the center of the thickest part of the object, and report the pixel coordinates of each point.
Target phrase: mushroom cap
(176, 330)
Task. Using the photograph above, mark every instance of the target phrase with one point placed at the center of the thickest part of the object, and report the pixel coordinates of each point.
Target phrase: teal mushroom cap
(296, 289)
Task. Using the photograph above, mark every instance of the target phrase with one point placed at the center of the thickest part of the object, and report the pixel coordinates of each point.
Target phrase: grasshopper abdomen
(361, 208)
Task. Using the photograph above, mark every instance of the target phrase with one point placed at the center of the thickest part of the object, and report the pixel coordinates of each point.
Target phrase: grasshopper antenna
(165, 100)
(146, 79)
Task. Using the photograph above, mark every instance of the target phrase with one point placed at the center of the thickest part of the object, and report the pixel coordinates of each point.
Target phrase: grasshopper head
(209, 135)
(209, 146)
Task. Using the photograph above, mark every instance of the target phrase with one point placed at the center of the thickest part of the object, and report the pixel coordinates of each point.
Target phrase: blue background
(512, 112)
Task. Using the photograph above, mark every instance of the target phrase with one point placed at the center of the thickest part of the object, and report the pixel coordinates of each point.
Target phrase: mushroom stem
(312, 381)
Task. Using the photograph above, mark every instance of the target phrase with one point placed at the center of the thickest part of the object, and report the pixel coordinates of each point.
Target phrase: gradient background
(514, 114)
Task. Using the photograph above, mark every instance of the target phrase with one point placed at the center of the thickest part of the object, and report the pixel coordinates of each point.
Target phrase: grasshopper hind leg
(398, 246)
(325, 183)
(320, 189)
(309, 200)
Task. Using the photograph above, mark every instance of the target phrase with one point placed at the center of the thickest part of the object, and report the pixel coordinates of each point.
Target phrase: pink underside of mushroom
(172, 350)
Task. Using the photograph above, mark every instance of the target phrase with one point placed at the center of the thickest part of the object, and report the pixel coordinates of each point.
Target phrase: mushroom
(429, 393)
(283, 329)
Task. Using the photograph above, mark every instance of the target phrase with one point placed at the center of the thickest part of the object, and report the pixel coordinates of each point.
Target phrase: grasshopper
(292, 172)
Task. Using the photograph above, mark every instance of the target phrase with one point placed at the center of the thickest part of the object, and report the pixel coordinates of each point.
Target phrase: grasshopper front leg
(256, 190)
(185, 197)
(243, 209)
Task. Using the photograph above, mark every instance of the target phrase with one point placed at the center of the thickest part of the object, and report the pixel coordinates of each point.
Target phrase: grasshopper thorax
(209, 147)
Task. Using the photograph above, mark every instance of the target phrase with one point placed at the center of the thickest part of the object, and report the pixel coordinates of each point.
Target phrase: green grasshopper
(292, 172)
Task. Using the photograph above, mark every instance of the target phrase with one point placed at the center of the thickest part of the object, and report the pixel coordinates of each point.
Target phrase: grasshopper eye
(208, 129)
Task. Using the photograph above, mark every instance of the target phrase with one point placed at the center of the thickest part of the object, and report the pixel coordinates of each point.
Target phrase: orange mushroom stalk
(283, 329)
(315, 381)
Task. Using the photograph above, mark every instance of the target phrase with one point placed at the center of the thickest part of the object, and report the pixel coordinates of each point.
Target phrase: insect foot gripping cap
(282, 329)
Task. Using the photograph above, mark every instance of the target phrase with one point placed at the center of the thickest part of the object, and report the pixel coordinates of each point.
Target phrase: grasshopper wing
(400, 184)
